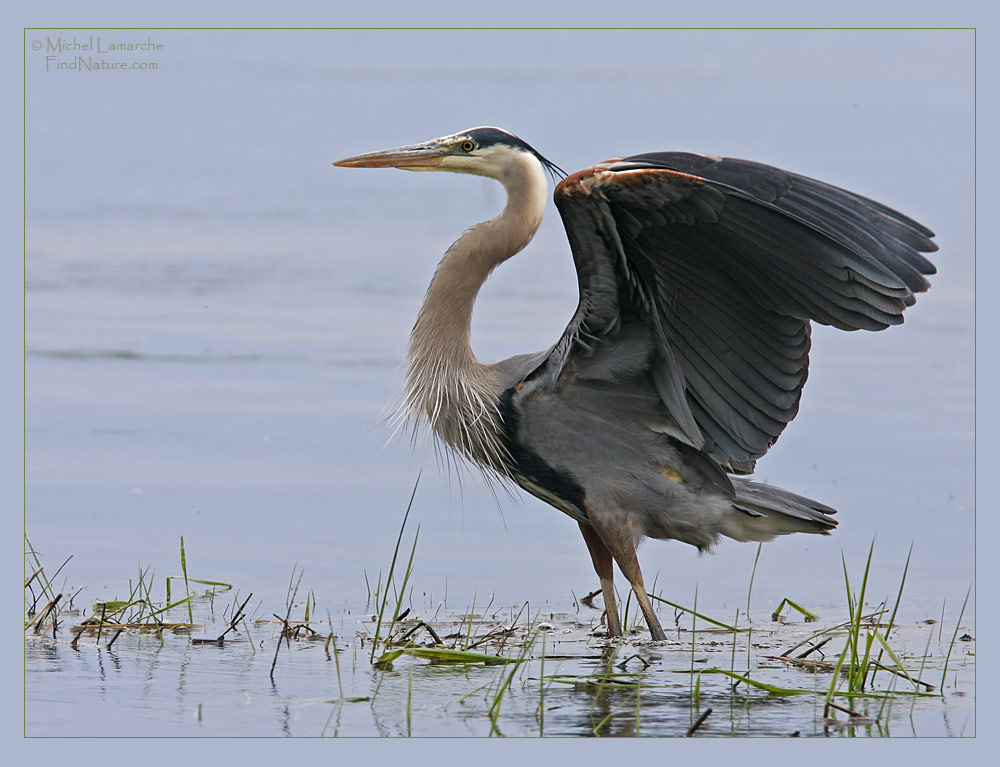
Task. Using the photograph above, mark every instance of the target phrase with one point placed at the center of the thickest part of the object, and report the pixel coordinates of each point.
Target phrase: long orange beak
(413, 157)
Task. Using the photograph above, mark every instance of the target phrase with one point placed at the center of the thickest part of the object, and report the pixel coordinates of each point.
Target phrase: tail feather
(761, 512)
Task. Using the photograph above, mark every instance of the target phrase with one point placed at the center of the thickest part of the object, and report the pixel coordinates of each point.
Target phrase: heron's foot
(656, 632)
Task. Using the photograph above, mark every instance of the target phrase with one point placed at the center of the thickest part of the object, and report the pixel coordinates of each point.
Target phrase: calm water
(216, 316)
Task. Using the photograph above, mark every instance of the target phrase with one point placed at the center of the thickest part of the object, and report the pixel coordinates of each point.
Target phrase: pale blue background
(196, 273)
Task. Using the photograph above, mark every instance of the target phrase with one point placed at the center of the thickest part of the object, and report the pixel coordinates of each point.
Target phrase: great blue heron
(688, 350)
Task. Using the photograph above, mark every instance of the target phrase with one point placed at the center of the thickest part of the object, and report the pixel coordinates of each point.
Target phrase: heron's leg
(623, 551)
(604, 568)
(629, 565)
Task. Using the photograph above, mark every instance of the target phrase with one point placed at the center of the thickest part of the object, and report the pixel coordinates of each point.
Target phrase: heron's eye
(468, 146)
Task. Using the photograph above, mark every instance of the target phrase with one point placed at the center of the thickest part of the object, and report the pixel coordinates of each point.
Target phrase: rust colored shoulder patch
(575, 183)
(588, 181)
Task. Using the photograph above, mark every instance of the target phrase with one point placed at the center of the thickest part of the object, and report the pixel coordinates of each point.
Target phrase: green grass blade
(772, 689)
(385, 660)
(753, 574)
(184, 571)
(954, 636)
(835, 679)
(494, 712)
(895, 659)
(445, 655)
(705, 618)
(810, 616)
(392, 566)
(895, 607)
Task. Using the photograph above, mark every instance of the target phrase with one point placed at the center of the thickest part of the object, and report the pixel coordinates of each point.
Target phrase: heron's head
(482, 151)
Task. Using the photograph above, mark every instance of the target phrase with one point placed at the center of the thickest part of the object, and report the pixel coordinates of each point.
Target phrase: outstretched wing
(725, 262)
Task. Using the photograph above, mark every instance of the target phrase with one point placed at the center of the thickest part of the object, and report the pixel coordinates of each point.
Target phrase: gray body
(605, 429)
(686, 357)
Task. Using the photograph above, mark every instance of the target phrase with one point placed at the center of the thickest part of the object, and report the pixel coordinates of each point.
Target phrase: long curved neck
(445, 382)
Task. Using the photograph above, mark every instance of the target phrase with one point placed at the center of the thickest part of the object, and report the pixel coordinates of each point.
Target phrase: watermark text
(98, 53)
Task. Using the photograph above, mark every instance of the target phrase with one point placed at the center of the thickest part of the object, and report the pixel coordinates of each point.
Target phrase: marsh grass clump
(139, 611)
(38, 586)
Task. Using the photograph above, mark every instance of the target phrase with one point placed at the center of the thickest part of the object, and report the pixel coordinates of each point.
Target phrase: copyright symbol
(36, 45)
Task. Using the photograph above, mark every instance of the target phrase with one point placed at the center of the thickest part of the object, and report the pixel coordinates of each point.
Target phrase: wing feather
(726, 262)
